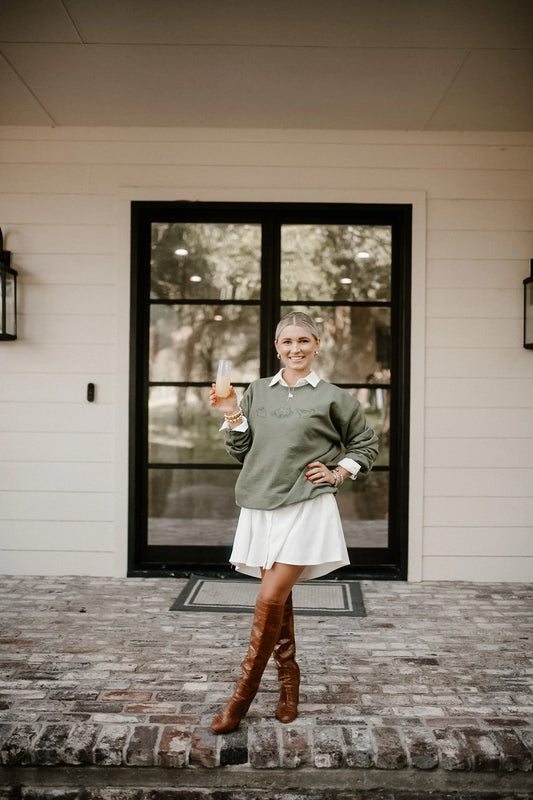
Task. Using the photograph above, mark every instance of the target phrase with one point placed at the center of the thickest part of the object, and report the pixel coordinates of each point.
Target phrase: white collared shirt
(312, 378)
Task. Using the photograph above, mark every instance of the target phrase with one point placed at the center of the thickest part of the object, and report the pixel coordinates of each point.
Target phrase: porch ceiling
(345, 64)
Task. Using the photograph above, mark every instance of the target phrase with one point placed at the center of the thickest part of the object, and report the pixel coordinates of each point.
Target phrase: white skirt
(308, 534)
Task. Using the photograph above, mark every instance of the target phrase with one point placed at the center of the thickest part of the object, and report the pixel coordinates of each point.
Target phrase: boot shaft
(285, 648)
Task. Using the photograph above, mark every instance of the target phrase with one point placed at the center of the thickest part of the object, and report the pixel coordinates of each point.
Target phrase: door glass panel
(186, 341)
(191, 507)
(183, 428)
(205, 260)
(376, 405)
(363, 506)
(354, 342)
(336, 262)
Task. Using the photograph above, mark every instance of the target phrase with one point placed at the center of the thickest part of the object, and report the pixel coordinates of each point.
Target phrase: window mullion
(270, 294)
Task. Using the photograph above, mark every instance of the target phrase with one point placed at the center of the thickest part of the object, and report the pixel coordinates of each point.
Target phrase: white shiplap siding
(478, 520)
(63, 460)
(57, 452)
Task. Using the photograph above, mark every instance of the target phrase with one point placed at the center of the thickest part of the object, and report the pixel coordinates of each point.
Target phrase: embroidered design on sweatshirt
(306, 412)
(282, 413)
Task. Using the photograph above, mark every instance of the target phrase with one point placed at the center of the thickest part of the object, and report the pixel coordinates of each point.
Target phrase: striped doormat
(237, 595)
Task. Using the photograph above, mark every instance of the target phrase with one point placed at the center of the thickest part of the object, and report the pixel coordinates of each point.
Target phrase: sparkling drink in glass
(222, 388)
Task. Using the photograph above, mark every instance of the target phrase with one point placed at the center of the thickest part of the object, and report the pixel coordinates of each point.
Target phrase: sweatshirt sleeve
(358, 438)
(237, 442)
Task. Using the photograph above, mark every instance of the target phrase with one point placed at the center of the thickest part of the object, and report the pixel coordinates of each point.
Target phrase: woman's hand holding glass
(228, 405)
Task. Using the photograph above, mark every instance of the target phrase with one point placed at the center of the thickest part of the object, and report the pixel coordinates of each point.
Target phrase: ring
(323, 474)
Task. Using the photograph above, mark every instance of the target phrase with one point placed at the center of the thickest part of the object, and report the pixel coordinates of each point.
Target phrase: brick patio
(433, 688)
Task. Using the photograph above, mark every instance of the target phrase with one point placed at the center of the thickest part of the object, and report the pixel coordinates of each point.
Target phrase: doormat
(310, 598)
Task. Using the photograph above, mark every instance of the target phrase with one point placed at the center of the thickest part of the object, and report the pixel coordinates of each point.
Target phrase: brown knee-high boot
(263, 637)
(288, 670)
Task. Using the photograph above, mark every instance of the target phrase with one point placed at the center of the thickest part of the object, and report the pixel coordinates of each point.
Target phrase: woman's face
(296, 346)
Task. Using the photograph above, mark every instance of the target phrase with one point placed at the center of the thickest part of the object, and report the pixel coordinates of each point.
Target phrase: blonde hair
(297, 318)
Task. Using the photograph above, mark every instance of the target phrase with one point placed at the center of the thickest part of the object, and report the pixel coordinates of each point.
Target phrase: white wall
(64, 214)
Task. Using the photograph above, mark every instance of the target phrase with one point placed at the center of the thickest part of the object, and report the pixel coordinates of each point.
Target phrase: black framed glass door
(210, 281)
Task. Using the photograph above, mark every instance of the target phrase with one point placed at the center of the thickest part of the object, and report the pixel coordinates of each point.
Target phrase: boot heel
(287, 709)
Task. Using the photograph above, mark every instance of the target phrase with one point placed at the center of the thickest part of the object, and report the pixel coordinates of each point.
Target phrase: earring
(316, 352)
(278, 355)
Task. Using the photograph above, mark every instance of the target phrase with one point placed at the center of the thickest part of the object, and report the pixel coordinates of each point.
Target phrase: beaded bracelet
(233, 417)
(339, 479)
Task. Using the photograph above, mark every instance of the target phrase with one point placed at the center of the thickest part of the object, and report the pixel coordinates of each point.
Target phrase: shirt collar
(312, 379)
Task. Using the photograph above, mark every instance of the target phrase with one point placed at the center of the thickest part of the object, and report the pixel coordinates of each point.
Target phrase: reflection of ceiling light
(181, 251)
(218, 317)
(363, 254)
(195, 279)
(346, 280)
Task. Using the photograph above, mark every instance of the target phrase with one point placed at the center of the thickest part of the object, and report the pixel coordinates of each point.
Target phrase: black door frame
(382, 563)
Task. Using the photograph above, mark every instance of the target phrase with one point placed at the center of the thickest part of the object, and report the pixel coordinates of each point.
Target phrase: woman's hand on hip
(317, 472)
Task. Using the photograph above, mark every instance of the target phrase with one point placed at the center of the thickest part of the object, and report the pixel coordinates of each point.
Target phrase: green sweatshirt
(321, 423)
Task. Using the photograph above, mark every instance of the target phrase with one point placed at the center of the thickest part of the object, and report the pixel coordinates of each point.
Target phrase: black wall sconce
(8, 295)
(528, 309)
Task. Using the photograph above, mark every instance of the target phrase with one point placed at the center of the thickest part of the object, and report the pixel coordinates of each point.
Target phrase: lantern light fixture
(528, 309)
(8, 295)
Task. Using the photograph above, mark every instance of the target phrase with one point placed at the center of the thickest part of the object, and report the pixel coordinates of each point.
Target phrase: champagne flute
(223, 382)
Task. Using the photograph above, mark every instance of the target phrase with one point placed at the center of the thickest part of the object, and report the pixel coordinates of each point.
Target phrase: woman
(288, 433)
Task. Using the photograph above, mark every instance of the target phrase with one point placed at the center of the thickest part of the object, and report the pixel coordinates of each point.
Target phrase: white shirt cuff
(352, 466)
(241, 427)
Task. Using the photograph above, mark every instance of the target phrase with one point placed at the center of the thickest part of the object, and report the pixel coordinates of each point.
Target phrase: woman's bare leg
(277, 582)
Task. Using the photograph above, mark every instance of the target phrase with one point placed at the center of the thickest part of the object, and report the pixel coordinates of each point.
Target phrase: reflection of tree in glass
(336, 262)
(186, 341)
(204, 261)
(342, 263)
(200, 261)
(193, 437)
(210, 261)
